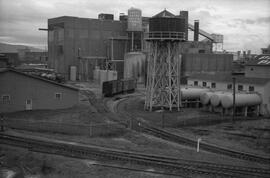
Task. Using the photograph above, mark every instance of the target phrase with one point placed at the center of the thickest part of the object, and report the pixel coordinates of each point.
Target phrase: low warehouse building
(20, 91)
(221, 81)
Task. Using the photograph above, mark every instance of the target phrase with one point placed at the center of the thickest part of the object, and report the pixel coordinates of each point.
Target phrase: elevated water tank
(134, 66)
(134, 19)
(192, 93)
(241, 99)
(166, 24)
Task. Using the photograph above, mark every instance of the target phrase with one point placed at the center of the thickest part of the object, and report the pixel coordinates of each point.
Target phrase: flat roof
(2, 70)
(227, 77)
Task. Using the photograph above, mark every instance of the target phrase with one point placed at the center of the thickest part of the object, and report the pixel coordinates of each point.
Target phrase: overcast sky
(245, 24)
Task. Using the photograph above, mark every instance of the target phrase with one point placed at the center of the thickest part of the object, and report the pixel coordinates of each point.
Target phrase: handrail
(165, 35)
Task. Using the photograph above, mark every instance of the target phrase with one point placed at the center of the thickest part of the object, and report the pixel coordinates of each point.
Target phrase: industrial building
(86, 43)
(20, 91)
(255, 80)
(206, 63)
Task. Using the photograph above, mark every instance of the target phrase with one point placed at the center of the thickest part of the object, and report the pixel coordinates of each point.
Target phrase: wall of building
(196, 47)
(72, 37)
(20, 88)
(263, 90)
(206, 63)
(257, 71)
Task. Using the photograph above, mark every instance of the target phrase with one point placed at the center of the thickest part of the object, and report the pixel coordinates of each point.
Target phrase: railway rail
(163, 134)
(170, 165)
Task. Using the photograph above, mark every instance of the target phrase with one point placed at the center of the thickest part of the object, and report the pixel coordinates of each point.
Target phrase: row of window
(229, 86)
(204, 84)
(6, 98)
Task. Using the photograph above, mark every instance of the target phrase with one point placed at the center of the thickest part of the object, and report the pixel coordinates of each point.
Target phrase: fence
(91, 129)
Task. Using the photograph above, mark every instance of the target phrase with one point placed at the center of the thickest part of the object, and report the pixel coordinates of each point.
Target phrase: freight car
(114, 87)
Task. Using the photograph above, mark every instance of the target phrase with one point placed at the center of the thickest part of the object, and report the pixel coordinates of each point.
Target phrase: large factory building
(72, 39)
(79, 45)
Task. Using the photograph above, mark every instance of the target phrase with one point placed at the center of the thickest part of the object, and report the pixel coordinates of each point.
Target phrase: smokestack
(196, 30)
(244, 54)
(184, 15)
(249, 53)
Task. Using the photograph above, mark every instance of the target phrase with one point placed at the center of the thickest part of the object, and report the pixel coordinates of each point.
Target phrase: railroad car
(129, 85)
(119, 86)
(107, 88)
(113, 87)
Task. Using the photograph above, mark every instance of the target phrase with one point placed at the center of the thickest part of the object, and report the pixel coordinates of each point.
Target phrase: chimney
(196, 30)
(184, 15)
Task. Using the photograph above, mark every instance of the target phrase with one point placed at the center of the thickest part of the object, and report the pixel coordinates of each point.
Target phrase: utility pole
(233, 116)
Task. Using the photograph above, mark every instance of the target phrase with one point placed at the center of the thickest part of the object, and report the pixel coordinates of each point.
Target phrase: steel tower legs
(163, 76)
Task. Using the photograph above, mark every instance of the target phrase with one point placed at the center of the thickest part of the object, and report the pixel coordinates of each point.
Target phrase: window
(251, 88)
(5, 99)
(213, 85)
(195, 83)
(58, 96)
(229, 86)
(204, 84)
(240, 87)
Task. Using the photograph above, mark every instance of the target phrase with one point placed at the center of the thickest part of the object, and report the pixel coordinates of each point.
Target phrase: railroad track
(161, 133)
(170, 165)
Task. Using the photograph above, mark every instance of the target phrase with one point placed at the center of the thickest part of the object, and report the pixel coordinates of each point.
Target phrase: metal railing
(164, 35)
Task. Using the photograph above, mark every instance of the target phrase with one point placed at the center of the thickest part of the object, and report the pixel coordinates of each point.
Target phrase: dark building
(72, 38)
(84, 42)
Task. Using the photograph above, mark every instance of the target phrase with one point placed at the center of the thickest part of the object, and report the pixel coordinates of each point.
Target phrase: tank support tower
(163, 79)
(166, 32)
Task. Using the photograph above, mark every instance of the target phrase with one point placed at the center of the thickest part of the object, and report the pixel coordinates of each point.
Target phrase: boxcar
(107, 88)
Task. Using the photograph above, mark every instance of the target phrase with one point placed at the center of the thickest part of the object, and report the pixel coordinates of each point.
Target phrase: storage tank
(205, 97)
(73, 72)
(134, 19)
(215, 99)
(241, 99)
(192, 93)
(134, 66)
(97, 74)
(107, 75)
(166, 24)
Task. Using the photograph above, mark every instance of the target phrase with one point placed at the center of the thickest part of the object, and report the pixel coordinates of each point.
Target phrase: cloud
(20, 19)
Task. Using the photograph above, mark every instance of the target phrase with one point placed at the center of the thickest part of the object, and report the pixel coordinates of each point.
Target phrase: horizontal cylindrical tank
(241, 99)
(215, 99)
(134, 66)
(205, 97)
(192, 93)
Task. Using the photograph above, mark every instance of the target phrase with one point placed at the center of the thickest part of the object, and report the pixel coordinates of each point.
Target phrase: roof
(227, 77)
(260, 60)
(164, 13)
(2, 70)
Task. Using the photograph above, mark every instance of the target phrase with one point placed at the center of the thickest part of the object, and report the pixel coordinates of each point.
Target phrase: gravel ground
(249, 135)
(26, 164)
